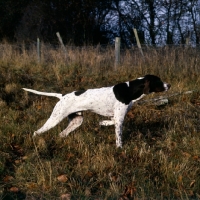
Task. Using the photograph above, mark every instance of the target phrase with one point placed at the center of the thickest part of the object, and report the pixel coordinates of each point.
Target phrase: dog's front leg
(118, 133)
(119, 114)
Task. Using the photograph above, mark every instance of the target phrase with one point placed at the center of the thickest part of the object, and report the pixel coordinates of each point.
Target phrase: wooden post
(23, 49)
(61, 42)
(187, 40)
(117, 51)
(138, 42)
(38, 50)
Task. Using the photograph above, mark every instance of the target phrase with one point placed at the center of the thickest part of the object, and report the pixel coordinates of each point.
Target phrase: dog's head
(154, 84)
(132, 90)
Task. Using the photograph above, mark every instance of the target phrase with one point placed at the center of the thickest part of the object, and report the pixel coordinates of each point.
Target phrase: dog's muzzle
(167, 86)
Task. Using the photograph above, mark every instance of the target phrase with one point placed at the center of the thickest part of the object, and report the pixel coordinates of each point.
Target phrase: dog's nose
(168, 85)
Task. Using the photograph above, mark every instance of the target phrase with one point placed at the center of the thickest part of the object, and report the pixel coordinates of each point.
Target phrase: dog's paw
(106, 123)
(34, 134)
(62, 135)
(119, 144)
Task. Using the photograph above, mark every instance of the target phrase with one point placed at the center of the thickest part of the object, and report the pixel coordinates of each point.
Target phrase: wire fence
(112, 54)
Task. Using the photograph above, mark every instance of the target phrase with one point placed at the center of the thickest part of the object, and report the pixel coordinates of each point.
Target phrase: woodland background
(100, 21)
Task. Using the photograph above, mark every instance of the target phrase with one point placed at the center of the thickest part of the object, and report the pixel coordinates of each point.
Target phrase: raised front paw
(106, 123)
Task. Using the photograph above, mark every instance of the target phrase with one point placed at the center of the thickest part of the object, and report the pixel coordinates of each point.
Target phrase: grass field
(160, 158)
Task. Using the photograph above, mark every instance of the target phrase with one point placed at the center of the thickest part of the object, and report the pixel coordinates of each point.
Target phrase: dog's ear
(146, 87)
(121, 92)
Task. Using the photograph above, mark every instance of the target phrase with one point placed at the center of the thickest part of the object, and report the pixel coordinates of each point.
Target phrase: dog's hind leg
(56, 116)
(50, 123)
(75, 120)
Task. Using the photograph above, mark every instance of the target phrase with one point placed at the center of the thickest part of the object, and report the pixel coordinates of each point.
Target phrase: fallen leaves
(31, 185)
(187, 155)
(14, 189)
(129, 191)
(17, 149)
(8, 178)
(65, 196)
(62, 178)
(197, 158)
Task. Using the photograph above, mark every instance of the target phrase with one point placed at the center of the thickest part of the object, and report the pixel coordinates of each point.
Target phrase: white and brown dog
(114, 102)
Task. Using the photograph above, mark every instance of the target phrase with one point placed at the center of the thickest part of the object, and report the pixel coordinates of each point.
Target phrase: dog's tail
(44, 93)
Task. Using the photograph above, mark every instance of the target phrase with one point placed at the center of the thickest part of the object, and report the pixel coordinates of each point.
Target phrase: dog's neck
(131, 91)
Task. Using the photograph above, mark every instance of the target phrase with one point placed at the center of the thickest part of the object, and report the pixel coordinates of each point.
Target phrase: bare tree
(194, 11)
(100, 21)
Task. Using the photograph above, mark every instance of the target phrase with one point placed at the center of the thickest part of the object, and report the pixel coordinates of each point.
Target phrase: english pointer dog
(113, 102)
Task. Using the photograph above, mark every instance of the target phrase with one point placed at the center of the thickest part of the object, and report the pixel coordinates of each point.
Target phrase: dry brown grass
(160, 158)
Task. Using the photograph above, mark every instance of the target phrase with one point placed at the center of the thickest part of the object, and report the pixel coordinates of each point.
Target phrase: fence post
(61, 42)
(187, 40)
(38, 50)
(138, 42)
(117, 51)
(23, 49)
